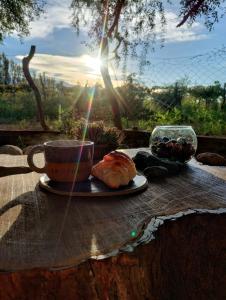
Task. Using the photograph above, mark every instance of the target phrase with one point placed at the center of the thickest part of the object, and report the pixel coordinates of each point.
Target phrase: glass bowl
(175, 143)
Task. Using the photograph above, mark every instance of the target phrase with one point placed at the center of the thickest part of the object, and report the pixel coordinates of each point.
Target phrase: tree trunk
(223, 104)
(26, 61)
(177, 96)
(42, 82)
(113, 97)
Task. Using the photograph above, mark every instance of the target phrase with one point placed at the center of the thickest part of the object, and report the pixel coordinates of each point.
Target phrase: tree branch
(115, 51)
(191, 12)
(117, 12)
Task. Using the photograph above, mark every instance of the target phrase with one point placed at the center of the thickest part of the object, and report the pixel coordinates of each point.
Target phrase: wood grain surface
(42, 230)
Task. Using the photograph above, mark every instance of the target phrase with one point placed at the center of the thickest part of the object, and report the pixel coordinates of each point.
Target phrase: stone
(182, 141)
(10, 149)
(27, 149)
(144, 159)
(141, 160)
(155, 172)
(212, 159)
(165, 139)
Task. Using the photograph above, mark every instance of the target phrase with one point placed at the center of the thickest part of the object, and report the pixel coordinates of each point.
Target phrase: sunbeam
(90, 102)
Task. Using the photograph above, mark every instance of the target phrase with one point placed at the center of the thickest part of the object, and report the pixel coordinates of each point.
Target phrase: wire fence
(203, 69)
(171, 80)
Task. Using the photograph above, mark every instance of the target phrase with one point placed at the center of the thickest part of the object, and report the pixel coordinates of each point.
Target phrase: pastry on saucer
(115, 170)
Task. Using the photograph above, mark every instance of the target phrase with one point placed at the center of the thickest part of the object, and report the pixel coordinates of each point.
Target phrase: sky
(60, 53)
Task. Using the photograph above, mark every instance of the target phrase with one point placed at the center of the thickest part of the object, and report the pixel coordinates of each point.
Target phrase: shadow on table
(40, 229)
(6, 171)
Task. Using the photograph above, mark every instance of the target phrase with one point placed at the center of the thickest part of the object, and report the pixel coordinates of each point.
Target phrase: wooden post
(26, 60)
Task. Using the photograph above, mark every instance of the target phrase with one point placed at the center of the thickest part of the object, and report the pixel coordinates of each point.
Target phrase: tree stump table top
(43, 230)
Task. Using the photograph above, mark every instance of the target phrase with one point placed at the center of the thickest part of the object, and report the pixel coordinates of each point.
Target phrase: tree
(128, 28)
(211, 10)
(15, 16)
(26, 60)
(81, 104)
(16, 73)
(170, 96)
(108, 28)
(121, 27)
(10, 72)
(134, 95)
(209, 94)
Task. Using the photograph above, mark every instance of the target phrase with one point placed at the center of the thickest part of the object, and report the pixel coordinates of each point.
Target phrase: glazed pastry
(116, 169)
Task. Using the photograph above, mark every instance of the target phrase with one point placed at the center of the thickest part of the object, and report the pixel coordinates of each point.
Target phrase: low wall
(212, 144)
(132, 139)
(26, 137)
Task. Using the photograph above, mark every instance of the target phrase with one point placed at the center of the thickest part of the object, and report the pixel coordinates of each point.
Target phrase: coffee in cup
(65, 160)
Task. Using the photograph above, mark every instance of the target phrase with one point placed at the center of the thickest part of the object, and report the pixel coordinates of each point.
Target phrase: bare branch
(119, 39)
(117, 12)
(192, 11)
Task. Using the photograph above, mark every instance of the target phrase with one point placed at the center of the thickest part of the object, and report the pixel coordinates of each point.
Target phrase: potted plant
(105, 138)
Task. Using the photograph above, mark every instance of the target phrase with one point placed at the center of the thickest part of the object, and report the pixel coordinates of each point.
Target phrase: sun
(93, 63)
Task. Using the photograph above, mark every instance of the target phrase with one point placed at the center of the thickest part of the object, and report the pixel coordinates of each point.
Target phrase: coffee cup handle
(35, 149)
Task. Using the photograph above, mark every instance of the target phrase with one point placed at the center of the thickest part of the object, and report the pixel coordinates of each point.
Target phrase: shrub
(97, 132)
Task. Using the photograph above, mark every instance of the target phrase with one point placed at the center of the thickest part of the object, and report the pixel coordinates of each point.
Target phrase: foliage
(96, 97)
(211, 10)
(67, 123)
(19, 107)
(210, 94)
(15, 16)
(124, 23)
(125, 19)
(131, 26)
(10, 72)
(209, 121)
(201, 106)
(170, 96)
(133, 96)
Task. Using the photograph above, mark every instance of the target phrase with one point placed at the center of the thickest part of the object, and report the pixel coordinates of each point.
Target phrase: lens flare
(90, 101)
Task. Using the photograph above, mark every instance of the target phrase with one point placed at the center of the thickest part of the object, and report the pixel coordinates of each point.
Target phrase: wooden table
(168, 242)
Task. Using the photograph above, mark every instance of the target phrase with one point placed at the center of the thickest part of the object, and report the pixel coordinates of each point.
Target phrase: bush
(204, 121)
(97, 132)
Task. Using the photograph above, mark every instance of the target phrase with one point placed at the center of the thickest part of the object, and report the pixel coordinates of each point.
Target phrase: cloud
(182, 34)
(84, 68)
(57, 15)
